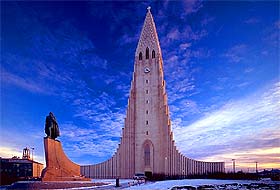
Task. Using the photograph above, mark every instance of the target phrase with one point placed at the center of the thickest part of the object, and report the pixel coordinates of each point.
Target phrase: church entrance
(148, 158)
(148, 174)
(147, 155)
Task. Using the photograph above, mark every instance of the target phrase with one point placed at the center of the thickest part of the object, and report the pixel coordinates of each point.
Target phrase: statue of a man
(51, 126)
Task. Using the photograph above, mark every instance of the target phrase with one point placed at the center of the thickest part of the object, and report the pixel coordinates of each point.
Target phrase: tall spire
(149, 37)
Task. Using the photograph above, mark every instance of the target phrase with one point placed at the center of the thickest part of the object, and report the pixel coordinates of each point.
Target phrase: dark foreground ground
(94, 184)
(50, 185)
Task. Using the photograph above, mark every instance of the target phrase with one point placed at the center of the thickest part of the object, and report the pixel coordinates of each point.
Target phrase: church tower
(151, 113)
(147, 144)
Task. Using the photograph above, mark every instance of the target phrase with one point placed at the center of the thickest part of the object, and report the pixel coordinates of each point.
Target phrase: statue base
(59, 166)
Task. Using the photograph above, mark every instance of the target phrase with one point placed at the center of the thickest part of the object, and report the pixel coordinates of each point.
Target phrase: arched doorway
(147, 155)
(148, 158)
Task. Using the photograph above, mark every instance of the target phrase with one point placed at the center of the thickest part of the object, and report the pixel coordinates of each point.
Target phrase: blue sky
(221, 66)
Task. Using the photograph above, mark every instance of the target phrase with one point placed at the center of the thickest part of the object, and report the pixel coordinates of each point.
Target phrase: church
(147, 144)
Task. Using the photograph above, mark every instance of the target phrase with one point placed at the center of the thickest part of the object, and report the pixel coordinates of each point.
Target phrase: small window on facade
(147, 53)
(147, 81)
(140, 56)
(147, 133)
(147, 122)
(147, 111)
(153, 54)
(147, 91)
(147, 101)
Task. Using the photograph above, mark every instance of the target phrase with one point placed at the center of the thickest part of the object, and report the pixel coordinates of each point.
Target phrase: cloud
(254, 119)
(252, 20)
(208, 19)
(191, 6)
(127, 39)
(243, 84)
(9, 152)
(277, 24)
(57, 62)
(249, 70)
(236, 53)
(185, 34)
(16, 138)
(174, 34)
(271, 34)
(23, 83)
(185, 46)
(80, 141)
(267, 158)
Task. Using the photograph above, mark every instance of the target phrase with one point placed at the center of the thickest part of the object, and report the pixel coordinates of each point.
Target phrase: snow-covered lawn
(168, 184)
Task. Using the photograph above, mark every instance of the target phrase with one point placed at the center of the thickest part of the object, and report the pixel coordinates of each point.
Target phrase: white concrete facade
(147, 143)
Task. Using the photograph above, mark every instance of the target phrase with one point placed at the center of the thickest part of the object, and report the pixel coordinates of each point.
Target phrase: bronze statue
(51, 126)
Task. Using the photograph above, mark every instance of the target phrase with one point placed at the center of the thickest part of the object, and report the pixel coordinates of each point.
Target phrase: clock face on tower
(147, 70)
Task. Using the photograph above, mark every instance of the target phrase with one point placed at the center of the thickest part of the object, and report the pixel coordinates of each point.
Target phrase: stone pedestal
(59, 167)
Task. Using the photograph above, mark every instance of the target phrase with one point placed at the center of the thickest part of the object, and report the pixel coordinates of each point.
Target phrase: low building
(14, 169)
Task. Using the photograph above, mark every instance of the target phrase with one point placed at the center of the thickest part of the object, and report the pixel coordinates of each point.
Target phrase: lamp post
(166, 166)
(256, 167)
(233, 165)
(32, 153)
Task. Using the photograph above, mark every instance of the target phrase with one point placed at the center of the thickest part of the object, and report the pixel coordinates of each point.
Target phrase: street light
(32, 152)
(233, 165)
(256, 167)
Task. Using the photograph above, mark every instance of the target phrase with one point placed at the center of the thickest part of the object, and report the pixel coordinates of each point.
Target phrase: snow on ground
(111, 181)
(168, 184)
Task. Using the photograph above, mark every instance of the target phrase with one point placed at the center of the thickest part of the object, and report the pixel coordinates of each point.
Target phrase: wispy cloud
(255, 119)
(90, 141)
(185, 46)
(185, 34)
(236, 53)
(272, 35)
(192, 6)
(24, 83)
(252, 20)
(208, 19)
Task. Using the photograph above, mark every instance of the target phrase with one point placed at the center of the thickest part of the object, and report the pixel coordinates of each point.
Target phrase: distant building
(14, 169)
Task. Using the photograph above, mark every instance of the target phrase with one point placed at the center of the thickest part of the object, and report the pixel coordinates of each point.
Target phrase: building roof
(19, 160)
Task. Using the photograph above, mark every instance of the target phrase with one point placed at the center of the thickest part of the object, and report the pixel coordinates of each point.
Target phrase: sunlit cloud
(267, 158)
(254, 119)
(9, 152)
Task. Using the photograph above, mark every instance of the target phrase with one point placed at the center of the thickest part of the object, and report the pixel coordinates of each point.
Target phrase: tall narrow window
(147, 111)
(147, 101)
(153, 54)
(147, 92)
(147, 122)
(147, 53)
(147, 81)
(140, 56)
(147, 155)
